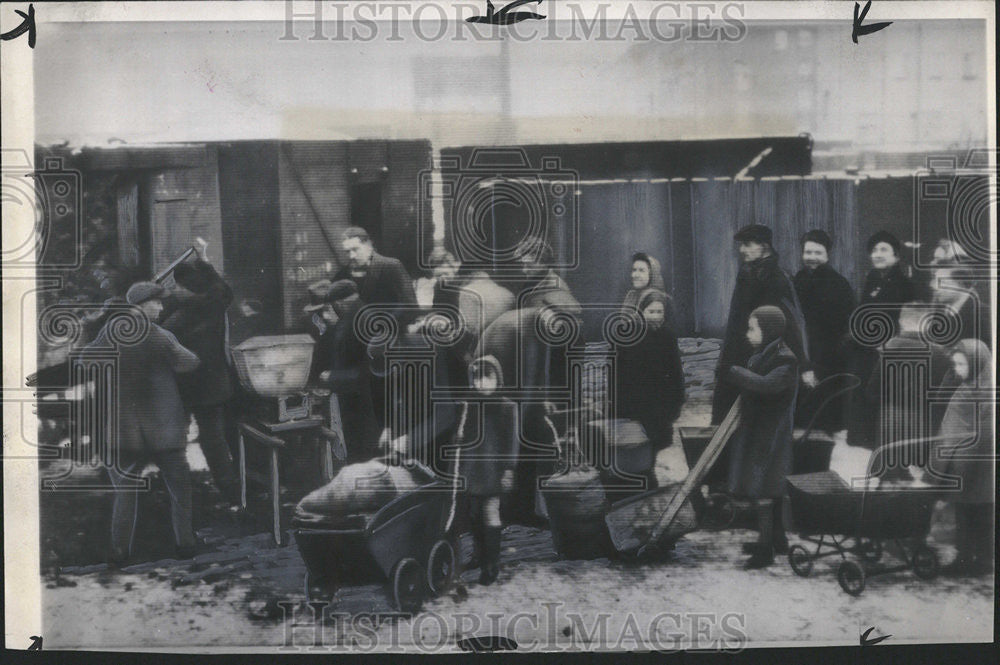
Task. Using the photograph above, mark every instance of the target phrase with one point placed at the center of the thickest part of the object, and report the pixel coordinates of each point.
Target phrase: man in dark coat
(887, 288)
(381, 280)
(760, 281)
(761, 448)
(152, 423)
(827, 301)
(340, 363)
(198, 319)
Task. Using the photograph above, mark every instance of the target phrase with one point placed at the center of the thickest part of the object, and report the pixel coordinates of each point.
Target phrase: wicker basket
(274, 366)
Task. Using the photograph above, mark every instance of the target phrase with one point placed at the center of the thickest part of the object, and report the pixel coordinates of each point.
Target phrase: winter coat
(551, 291)
(904, 406)
(888, 287)
(827, 302)
(759, 283)
(488, 447)
(151, 416)
(967, 431)
(760, 451)
(650, 383)
(387, 283)
(199, 323)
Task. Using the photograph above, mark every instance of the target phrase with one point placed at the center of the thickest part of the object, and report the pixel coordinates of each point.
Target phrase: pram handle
(900, 446)
(853, 383)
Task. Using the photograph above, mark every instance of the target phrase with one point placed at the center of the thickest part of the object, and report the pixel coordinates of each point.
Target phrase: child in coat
(761, 447)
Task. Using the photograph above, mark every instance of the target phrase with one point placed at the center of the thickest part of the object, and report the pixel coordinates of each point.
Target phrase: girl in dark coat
(487, 455)
(887, 288)
(650, 377)
(761, 448)
(968, 453)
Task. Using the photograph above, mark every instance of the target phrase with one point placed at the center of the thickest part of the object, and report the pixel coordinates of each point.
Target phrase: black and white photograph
(444, 327)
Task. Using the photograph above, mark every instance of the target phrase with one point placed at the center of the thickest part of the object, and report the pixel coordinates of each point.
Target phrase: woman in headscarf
(761, 448)
(645, 276)
(967, 449)
(650, 378)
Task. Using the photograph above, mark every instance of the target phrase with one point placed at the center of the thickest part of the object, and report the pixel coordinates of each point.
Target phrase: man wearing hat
(340, 364)
(827, 301)
(760, 281)
(198, 319)
(152, 423)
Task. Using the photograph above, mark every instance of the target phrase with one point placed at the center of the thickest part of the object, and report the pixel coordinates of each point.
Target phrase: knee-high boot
(490, 568)
(763, 555)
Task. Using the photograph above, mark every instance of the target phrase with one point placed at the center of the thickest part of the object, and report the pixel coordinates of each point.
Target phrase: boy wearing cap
(152, 423)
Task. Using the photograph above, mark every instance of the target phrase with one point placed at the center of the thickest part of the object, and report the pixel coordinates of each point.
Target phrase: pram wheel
(870, 549)
(720, 511)
(440, 567)
(408, 585)
(799, 559)
(925, 563)
(851, 576)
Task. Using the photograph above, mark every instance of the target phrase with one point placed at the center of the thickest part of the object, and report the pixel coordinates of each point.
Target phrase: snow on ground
(698, 597)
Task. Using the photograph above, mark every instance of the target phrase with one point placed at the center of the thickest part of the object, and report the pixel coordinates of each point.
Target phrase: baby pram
(838, 519)
(811, 451)
(404, 542)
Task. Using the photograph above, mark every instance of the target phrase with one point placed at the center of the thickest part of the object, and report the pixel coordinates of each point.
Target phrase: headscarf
(649, 296)
(656, 282)
(980, 360)
(771, 321)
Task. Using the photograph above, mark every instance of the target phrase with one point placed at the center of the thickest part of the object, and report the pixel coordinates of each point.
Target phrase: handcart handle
(267, 440)
(852, 384)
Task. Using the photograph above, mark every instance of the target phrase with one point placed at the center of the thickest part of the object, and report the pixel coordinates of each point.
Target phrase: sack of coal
(360, 488)
(576, 504)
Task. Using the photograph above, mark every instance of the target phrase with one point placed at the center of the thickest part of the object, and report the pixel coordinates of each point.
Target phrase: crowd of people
(784, 335)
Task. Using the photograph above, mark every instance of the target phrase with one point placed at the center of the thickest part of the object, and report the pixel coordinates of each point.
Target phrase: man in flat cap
(340, 363)
(198, 319)
(152, 422)
(760, 281)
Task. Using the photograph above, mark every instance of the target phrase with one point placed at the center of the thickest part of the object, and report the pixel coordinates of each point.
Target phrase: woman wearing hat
(827, 301)
(761, 448)
(887, 288)
(645, 275)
